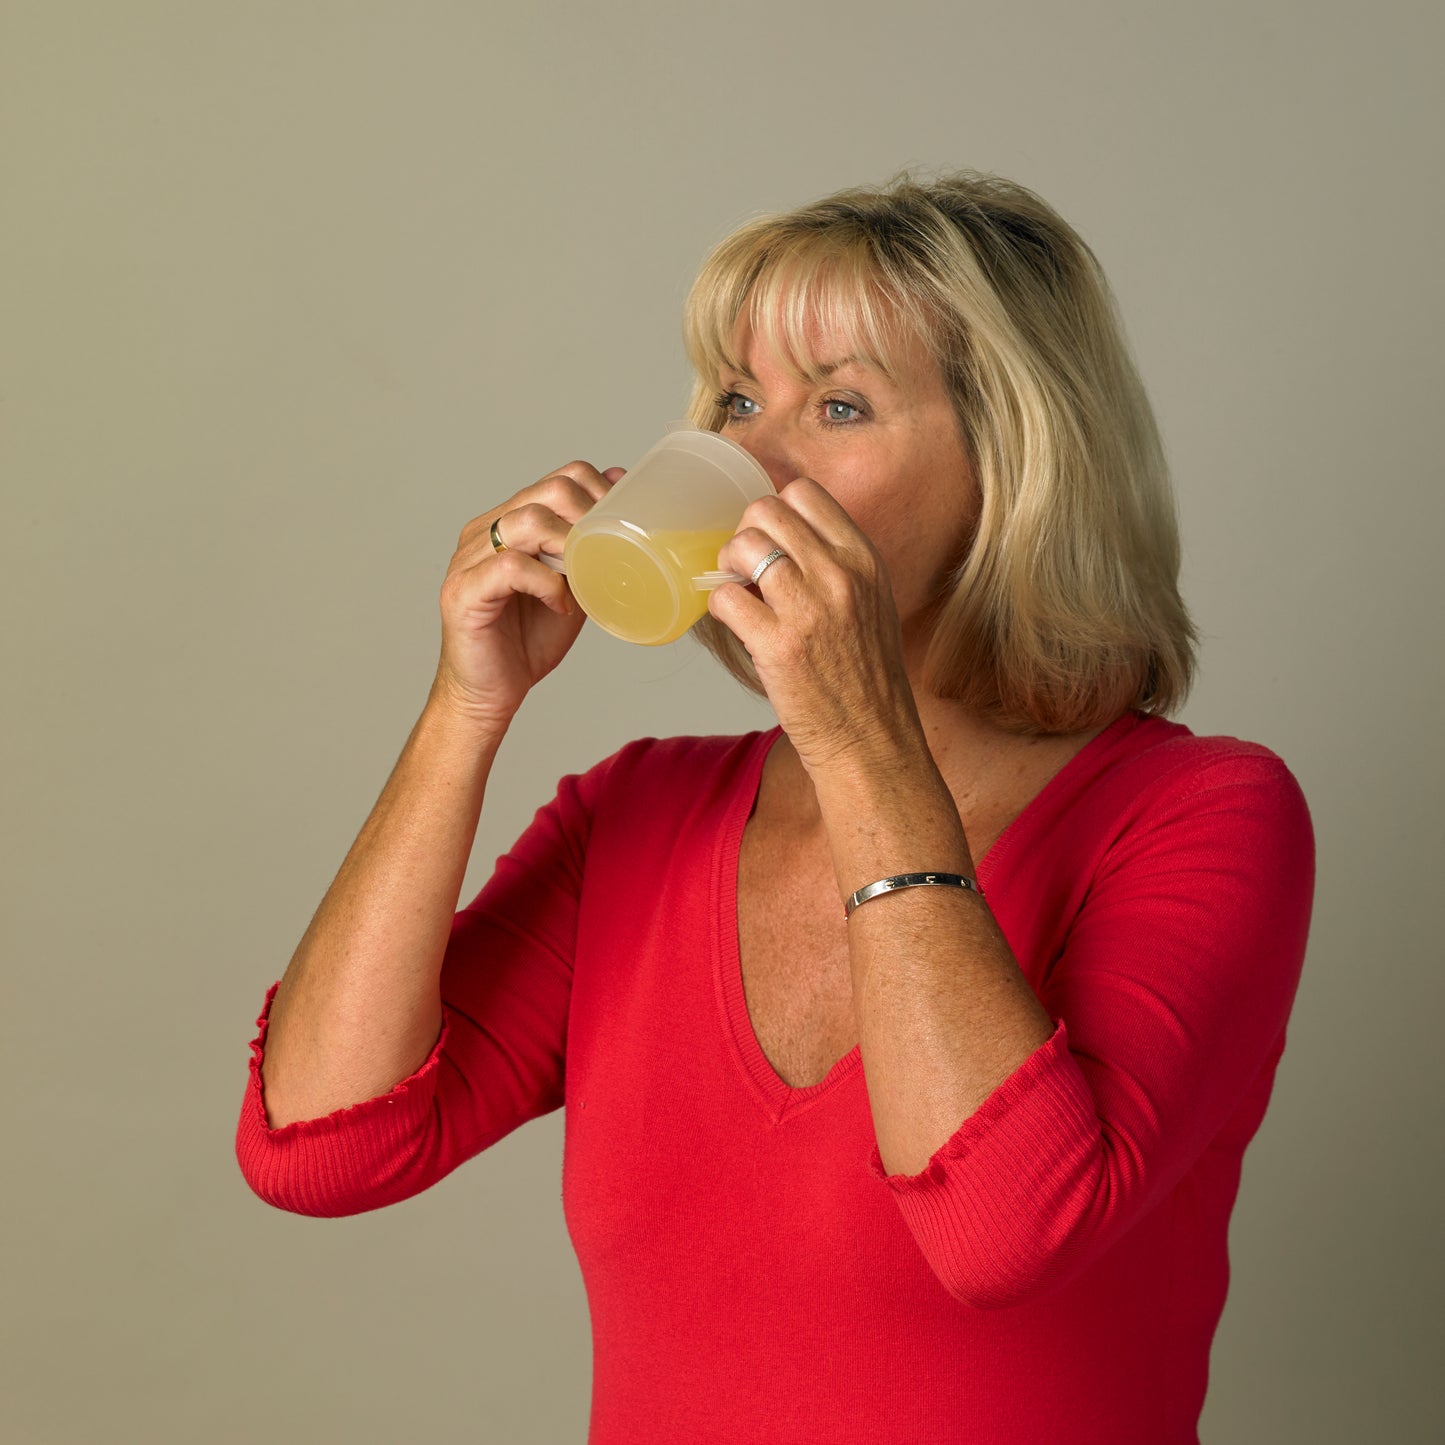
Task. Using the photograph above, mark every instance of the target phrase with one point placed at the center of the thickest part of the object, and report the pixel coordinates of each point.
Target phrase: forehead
(812, 336)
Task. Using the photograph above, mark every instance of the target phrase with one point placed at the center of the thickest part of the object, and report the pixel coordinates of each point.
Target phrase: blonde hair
(1064, 610)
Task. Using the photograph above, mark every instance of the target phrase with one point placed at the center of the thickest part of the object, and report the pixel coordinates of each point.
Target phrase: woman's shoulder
(1151, 765)
(682, 753)
(1166, 747)
(658, 770)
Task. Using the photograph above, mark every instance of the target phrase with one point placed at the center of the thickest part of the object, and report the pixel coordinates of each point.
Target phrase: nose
(770, 444)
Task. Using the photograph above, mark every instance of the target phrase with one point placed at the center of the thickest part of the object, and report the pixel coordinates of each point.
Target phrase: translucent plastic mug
(642, 561)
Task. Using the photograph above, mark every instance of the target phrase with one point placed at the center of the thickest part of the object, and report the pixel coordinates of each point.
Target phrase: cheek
(922, 530)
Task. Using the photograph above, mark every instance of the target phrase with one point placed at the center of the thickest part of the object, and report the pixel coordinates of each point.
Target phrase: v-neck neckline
(1001, 846)
(776, 1096)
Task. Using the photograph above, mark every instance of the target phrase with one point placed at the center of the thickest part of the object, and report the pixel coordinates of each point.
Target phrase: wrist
(450, 720)
(891, 813)
(879, 766)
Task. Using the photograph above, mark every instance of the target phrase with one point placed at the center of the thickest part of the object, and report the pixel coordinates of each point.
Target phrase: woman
(909, 1048)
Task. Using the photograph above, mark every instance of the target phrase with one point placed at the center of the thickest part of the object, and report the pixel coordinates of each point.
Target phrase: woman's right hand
(508, 619)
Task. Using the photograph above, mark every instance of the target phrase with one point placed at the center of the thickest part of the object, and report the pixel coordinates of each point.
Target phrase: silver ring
(497, 542)
(766, 563)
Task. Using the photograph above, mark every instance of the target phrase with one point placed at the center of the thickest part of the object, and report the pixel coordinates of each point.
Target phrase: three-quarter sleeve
(1170, 999)
(499, 1059)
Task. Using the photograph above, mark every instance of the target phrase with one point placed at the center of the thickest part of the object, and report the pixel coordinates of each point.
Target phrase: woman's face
(890, 453)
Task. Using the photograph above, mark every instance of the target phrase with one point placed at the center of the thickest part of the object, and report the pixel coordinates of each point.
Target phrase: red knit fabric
(1057, 1270)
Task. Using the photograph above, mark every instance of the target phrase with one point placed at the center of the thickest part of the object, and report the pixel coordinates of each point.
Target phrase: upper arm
(506, 979)
(1179, 973)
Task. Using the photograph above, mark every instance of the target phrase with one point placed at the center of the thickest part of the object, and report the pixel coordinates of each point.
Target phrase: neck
(968, 750)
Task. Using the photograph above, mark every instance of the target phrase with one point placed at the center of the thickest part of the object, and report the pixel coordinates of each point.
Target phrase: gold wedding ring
(497, 542)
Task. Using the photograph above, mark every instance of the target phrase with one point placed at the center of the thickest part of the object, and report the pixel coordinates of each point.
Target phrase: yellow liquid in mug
(623, 586)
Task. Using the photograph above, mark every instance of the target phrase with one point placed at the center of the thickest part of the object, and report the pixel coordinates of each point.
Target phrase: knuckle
(561, 490)
(869, 561)
(451, 587)
(566, 480)
(839, 587)
(791, 649)
(814, 614)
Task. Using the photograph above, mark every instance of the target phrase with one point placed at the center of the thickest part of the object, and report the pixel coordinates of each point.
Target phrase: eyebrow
(827, 369)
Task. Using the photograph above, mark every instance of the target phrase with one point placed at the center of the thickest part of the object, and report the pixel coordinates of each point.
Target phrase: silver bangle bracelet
(909, 880)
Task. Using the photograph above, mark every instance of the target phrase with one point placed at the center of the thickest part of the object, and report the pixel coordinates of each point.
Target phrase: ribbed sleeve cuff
(345, 1162)
(996, 1209)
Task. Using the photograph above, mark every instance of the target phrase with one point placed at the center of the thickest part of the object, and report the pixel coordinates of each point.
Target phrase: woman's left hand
(821, 626)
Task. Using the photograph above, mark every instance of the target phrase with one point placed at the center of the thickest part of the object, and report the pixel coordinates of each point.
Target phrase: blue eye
(731, 402)
(738, 407)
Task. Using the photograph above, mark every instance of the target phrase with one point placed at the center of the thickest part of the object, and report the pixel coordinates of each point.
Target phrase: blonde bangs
(790, 288)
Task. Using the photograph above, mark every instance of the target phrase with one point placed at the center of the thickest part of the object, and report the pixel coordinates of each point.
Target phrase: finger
(736, 607)
(778, 519)
(532, 528)
(569, 493)
(822, 511)
(518, 528)
(744, 550)
(769, 527)
(593, 483)
(487, 585)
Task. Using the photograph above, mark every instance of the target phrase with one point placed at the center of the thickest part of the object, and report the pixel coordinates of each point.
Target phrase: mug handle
(704, 582)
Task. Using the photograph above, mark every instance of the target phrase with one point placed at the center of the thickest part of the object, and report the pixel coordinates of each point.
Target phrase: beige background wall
(290, 291)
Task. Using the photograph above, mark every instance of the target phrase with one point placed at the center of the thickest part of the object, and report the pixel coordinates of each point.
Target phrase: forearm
(943, 1012)
(359, 1007)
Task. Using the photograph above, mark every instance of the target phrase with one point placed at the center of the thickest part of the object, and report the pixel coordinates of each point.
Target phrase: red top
(1056, 1272)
